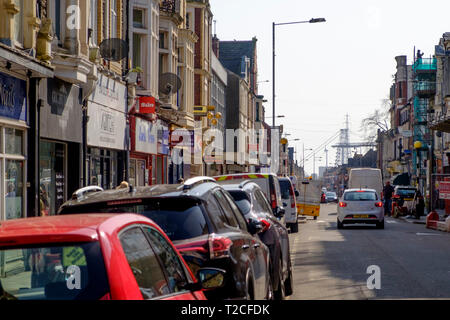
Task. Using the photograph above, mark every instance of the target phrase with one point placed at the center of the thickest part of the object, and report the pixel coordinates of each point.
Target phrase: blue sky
(327, 70)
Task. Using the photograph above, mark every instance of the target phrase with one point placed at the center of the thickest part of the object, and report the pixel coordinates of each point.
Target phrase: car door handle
(256, 245)
(245, 247)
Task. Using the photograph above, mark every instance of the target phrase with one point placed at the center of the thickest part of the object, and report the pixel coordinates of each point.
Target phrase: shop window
(14, 189)
(13, 141)
(52, 176)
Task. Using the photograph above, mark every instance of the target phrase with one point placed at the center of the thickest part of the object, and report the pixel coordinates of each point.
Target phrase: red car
(95, 256)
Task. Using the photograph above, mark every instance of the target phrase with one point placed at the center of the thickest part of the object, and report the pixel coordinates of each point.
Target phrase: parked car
(288, 195)
(83, 191)
(403, 200)
(268, 183)
(360, 206)
(96, 257)
(205, 225)
(254, 205)
(331, 196)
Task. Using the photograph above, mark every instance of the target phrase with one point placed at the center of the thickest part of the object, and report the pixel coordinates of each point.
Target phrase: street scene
(224, 150)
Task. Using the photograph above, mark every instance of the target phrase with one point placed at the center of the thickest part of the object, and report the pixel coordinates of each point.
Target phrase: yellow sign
(73, 256)
(284, 141)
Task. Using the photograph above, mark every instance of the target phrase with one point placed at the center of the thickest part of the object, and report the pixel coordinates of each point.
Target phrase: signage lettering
(107, 124)
(7, 96)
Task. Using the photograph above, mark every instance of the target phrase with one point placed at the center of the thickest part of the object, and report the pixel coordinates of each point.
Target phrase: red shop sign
(147, 105)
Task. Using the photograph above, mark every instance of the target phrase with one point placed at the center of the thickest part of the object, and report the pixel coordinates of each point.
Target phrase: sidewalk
(423, 219)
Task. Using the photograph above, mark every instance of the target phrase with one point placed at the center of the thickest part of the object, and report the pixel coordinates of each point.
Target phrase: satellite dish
(169, 83)
(113, 49)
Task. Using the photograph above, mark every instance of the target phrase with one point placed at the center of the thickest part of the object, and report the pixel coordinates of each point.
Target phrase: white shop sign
(106, 127)
(146, 136)
(110, 93)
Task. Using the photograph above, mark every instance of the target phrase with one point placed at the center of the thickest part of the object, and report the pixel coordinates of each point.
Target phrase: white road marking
(390, 221)
(427, 234)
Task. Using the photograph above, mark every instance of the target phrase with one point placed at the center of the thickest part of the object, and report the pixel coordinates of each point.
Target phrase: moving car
(205, 225)
(331, 196)
(254, 205)
(360, 206)
(288, 195)
(268, 183)
(95, 257)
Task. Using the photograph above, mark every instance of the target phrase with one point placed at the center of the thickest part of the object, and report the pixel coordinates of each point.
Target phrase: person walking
(386, 195)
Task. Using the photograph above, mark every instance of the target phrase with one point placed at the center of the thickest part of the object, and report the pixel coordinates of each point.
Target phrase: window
(144, 264)
(43, 273)
(14, 189)
(18, 23)
(139, 18)
(262, 200)
(169, 258)
(93, 22)
(360, 196)
(237, 213)
(216, 215)
(242, 201)
(13, 141)
(226, 208)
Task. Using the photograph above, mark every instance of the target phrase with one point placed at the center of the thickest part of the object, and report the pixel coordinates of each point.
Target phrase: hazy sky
(326, 70)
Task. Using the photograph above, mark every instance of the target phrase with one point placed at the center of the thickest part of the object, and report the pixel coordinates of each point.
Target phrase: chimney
(215, 45)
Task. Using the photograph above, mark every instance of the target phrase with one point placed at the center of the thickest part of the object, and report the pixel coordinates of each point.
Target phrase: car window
(285, 186)
(179, 220)
(226, 208)
(215, 214)
(237, 213)
(144, 264)
(360, 196)
(57, 272)
(277, 189)
(262, 200)
(242, 201)
(169, 258)
(406, 192)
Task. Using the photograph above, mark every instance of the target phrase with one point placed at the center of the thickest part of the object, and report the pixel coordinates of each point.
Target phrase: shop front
(106, 161)
(60, 143)
(13, 132)
(149, 152)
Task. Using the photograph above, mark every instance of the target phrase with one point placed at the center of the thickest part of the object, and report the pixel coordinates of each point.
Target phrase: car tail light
(266, 225)
(273, 200)
(199, 246)
(219, 247)
(379, 204)
(291, 193)
(342, 204)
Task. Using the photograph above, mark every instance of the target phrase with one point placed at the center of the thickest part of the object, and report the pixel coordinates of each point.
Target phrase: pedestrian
(420, 205)
(386, 195)
(181, 181)
(123, 185)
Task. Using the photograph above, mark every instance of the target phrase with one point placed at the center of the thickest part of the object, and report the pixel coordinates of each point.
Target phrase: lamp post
(309, 149)
(317, 20)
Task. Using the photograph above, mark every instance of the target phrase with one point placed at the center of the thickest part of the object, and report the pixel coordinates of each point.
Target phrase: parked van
(365, 178)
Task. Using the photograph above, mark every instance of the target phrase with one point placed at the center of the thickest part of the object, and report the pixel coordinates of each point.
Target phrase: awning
(21, 62)
(402, 180)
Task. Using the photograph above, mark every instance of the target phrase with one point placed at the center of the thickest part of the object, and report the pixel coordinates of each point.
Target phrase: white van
(366, 178)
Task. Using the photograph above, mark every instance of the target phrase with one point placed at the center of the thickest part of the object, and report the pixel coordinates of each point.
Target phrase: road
(414, 262)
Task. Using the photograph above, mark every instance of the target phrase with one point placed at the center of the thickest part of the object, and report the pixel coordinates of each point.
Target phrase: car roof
(355, 189)
(244, 176)
(199, 191)
(67, 228)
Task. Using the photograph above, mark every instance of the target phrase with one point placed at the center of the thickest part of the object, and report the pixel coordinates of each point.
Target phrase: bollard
(432, 220)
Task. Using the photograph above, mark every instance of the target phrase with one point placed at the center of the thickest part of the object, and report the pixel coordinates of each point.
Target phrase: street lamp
(314, 20)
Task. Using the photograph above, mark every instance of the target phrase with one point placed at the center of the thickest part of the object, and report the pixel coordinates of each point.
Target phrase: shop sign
(57, 94)
(163, 138)
(146, 136)
(110, 93)
(13, 101)
(444, 190)
(106, 128)
(147, 105)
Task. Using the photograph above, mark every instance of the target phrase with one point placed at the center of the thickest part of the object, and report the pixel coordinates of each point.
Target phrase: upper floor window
(18, 24)
(139, 18)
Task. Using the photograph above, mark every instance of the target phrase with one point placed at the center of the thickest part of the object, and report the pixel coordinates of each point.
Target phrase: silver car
(360, 206)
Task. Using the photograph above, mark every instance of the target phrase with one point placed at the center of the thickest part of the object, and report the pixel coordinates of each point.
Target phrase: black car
(254, 205)
(204, 224)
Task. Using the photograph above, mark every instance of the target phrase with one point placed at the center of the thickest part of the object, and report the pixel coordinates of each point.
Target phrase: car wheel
(340, 225)
(294, 227)
(280, 293)
(270, 293)
(289, 284)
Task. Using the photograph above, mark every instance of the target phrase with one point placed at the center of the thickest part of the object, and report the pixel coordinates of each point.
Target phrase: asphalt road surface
(413, 262)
